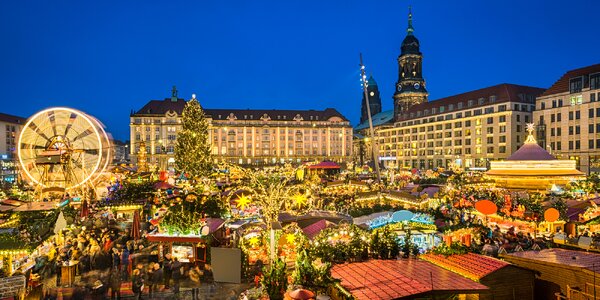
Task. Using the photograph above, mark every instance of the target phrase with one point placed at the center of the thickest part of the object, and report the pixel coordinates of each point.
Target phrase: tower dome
(410, 44)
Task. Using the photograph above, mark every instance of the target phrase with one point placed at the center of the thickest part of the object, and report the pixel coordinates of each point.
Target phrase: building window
(576, 99)
(577, 115)
(502, 139)
(542, 105)
(558, 117)
(577, 129)
(502, 119)
(570, 116)
(490, 120)
(502, 149)
(591, 144)
(558, 131)
(560, 103)
(490, 150)
(553, 103)
(570, 131)
(591, 128)
(518, 118)
(577, 144)
(551, 131)
(575, 84)
(592, 97)
(595, 81)
(570, 145)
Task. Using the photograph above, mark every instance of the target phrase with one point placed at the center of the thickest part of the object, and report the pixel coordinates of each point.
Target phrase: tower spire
(410, 29)
(174, 94)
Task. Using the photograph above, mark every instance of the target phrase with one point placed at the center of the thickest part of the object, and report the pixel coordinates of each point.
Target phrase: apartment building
(466, 130)
(568, 118)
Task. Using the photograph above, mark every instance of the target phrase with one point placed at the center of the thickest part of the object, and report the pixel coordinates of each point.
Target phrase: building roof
(382, 118)
(161, 107)
(562, 84)
(470, 265)
(393, 279)
(12, 119)
(505, 92)
(531, 151)
(556, 256)
(313, 230)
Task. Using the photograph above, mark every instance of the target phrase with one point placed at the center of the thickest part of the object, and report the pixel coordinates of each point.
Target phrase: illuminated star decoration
(299, 199)
(290, 238)
(242, 202)
(253, 242)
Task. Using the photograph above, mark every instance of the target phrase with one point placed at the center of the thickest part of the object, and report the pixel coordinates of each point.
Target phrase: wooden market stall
(190, 248)
(559, 271)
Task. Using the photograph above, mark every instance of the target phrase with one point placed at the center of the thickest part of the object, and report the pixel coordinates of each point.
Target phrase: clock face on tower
(399, 88)
(417, 86)
(372, 94)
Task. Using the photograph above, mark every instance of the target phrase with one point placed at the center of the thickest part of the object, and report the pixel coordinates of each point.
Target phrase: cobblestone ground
(205, 291)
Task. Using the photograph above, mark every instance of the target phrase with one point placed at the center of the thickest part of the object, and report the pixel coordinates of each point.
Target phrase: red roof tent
(313, 230)
(393, 279)
(473, 266)
(325, 165)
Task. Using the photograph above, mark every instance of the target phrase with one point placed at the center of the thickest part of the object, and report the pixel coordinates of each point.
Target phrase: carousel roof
(531, 151)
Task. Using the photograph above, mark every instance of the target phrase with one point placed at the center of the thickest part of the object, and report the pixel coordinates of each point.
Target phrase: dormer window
(576, 84)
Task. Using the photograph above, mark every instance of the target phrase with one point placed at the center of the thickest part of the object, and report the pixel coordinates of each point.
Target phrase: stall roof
(471, 265)
(33, 206)
(572, 258)
(313, 230)
(325, 165)
(393, 279)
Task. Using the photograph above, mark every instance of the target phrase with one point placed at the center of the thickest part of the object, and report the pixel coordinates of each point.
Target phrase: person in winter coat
(167, 270)
(156, 279)
(115, 284)
(137, 284)
(176, 274)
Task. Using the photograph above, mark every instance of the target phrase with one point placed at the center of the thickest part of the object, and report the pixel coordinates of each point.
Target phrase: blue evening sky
(109, 57)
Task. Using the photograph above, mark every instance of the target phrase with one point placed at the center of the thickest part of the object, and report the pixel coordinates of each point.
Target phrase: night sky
(109, 57)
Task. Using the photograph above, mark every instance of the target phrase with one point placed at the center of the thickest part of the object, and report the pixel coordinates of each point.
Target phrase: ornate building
(374, 101)
(410, 87)
(243, 136)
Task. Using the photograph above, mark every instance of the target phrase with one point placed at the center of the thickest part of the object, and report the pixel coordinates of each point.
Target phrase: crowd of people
(108, 261)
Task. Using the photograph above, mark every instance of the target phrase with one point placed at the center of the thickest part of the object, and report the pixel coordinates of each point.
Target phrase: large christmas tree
(193, 151)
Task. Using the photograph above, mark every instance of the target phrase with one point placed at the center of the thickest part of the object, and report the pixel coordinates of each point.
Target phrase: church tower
(374, 100)
(410, 87)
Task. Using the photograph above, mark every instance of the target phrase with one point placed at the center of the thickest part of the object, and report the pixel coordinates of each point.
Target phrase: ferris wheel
(62, 148)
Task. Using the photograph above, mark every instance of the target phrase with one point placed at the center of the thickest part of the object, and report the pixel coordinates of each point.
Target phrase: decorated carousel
(533, 168)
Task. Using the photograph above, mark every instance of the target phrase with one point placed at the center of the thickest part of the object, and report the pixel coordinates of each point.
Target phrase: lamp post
(373, 143)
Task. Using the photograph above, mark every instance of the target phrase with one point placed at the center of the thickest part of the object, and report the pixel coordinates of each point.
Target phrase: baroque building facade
(243, 136)
(568, 118)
